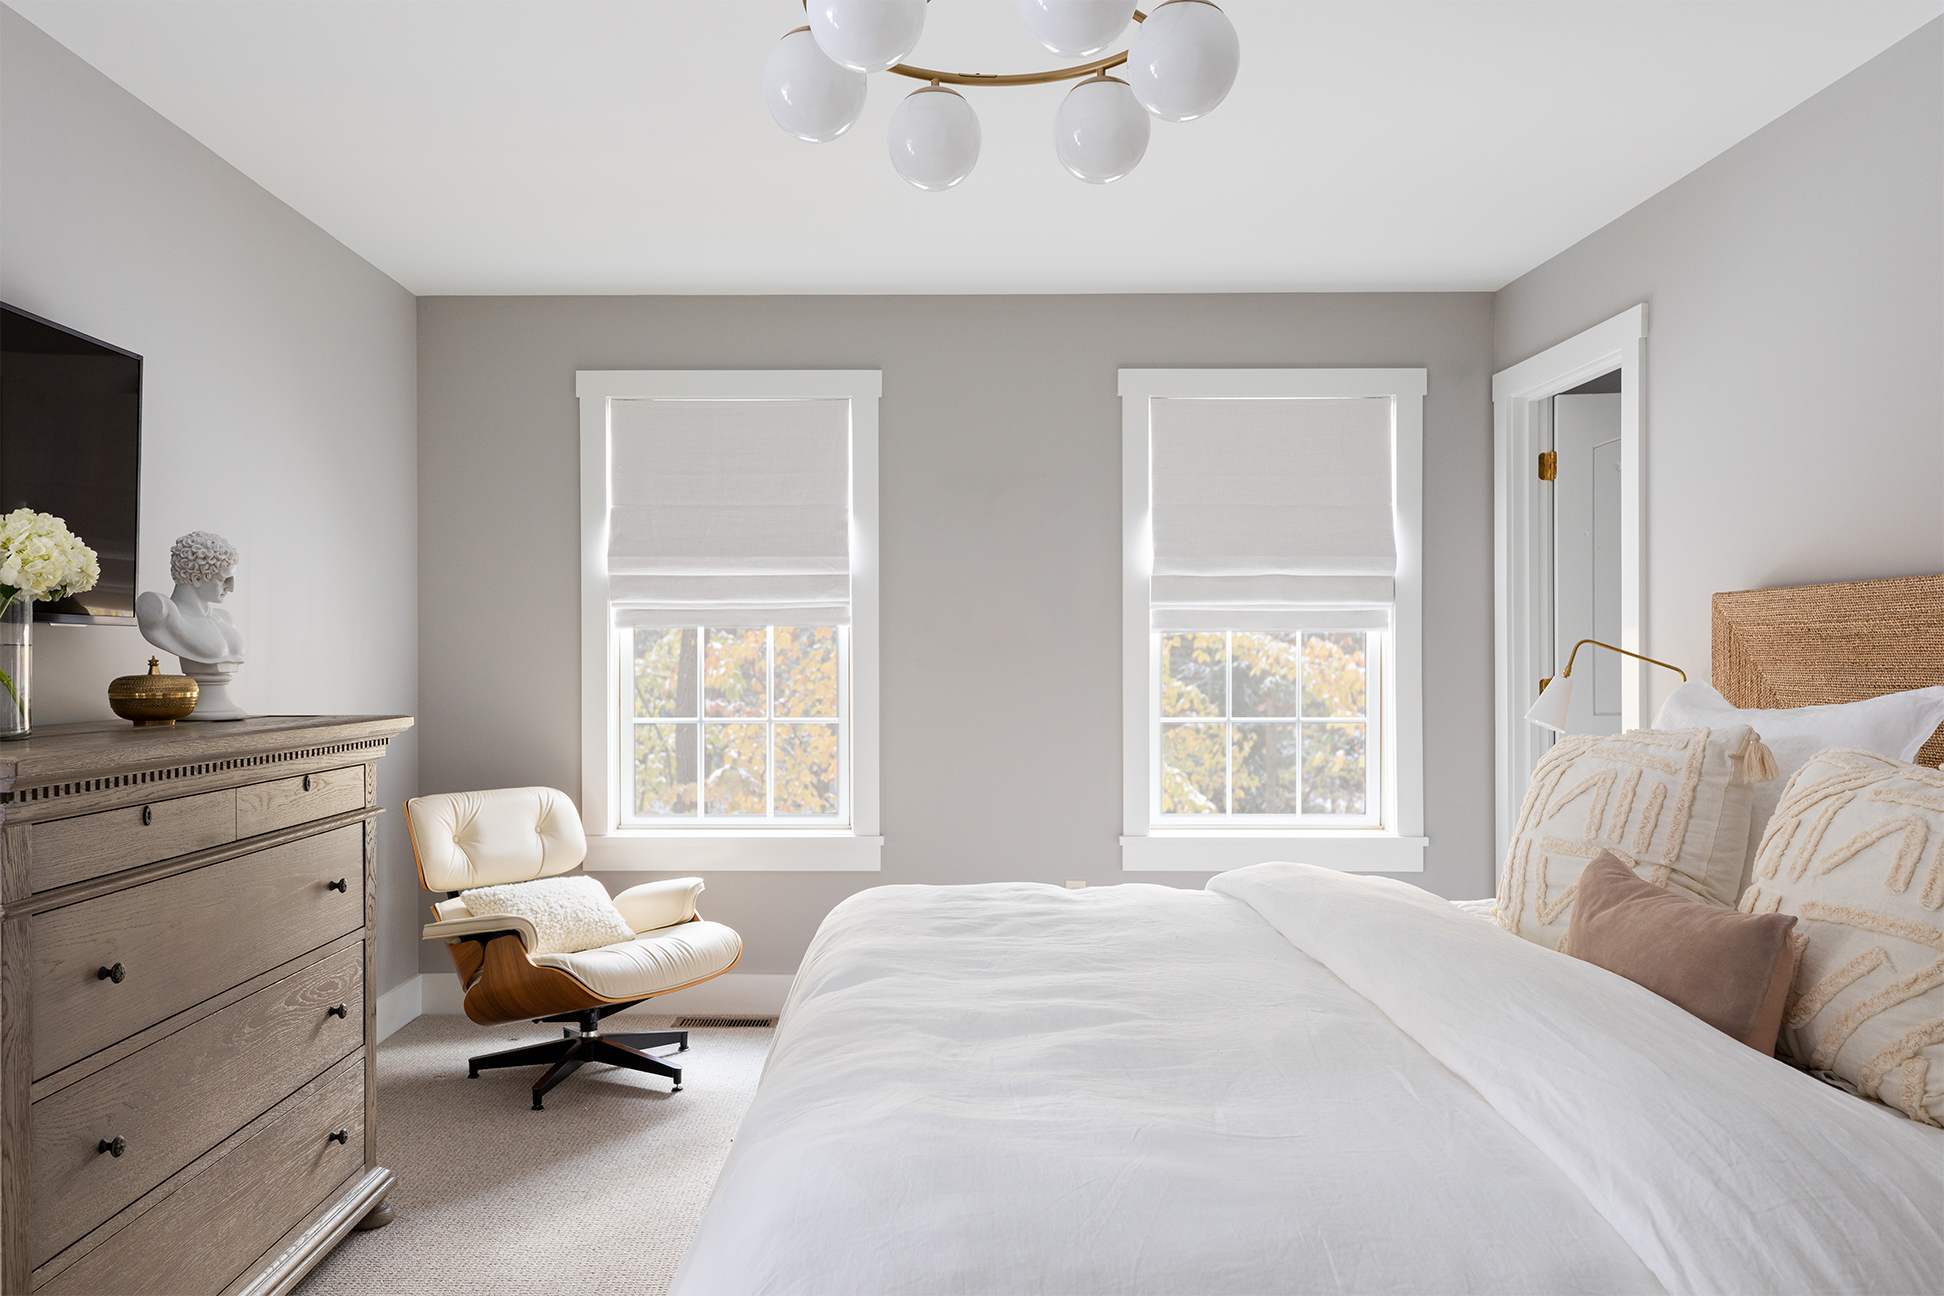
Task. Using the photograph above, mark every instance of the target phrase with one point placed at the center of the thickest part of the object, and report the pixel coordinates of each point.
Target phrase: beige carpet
(598, 1193)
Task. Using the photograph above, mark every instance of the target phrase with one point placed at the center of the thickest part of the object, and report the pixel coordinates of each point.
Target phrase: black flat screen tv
(71, 445)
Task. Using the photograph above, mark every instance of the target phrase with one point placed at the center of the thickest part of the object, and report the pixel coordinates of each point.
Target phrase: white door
(1586, 554)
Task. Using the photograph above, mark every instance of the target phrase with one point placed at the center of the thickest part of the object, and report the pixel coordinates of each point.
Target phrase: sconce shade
(867, 35)
(1075, 28)
(1183, 60)
(1100, 132)
(811, 97)
(1554, 705)
(934, 138)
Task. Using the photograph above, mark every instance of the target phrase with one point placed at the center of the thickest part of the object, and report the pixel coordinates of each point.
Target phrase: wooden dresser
(187, 1056)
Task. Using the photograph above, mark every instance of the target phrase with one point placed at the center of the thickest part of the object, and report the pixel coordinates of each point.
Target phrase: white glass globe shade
(1076, 28)
(1101, 131)
(811, 97)
(934, 138)
(867, 35)
(1183, 60)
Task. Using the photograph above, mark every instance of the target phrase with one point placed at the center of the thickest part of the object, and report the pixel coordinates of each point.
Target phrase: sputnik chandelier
(1179, 66)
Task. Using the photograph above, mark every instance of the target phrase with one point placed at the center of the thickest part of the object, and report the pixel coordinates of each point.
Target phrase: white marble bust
(191, 624)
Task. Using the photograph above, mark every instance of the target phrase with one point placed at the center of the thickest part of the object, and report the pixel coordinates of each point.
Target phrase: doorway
(1585, 508)
(1567, 445)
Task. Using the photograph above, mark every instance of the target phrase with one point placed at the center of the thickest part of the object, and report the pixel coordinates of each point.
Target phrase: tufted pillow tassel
(1757, 762)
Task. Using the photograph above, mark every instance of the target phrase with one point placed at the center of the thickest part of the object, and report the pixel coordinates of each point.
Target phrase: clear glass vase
(16, 665)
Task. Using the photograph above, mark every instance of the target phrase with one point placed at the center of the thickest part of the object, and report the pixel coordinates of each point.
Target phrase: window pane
(806, 768)
(735, 672)
(1265, 767)
(806, 675)
(737, 767)
(1194, 768)
(1334, 673)
(1193, 675)
(664, 673)
(1333, 769)
(664, 769)
(1268, 672)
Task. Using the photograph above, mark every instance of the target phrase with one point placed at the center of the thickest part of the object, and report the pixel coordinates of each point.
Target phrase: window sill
(729, 851)
(1347, 850)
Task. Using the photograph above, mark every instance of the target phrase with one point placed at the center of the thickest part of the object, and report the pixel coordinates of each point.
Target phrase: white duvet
(1296, 1080)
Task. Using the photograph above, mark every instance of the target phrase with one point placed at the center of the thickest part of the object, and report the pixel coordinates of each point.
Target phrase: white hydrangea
(199, 557)
(41, 558)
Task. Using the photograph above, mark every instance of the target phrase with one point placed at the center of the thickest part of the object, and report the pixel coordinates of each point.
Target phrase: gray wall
(1795, 358)
(278, 410)
(1000, 501)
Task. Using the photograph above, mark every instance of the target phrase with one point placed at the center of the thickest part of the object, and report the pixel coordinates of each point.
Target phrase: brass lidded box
(154, 698)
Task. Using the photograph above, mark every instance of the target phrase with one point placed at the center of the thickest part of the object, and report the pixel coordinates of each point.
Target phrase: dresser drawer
(266, 807)
(181, 939)
(227, 1213)
(181, 1096)
(87, 846)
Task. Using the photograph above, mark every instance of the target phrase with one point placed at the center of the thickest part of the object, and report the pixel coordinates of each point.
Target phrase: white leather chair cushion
(654, 905)
(474, 839)
(653, 962)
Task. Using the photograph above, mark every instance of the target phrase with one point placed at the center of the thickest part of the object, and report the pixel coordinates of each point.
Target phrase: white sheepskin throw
(569, 913)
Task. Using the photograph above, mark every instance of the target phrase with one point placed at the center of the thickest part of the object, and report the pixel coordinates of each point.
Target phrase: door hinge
(1548, 465)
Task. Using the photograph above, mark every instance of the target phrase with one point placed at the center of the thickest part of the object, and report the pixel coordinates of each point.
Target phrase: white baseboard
(736, 994)
(743, 994)
(399, 1005)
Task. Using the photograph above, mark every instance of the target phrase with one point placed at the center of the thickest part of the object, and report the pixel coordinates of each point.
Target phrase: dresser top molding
(77, 760)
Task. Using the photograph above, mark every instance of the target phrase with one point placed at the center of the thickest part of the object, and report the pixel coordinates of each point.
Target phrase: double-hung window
(729, 619)
(1270, 613)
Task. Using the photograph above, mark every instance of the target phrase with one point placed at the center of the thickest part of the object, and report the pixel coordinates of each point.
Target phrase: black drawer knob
(114, 1146)
(306, 782)
(341, 1011)
(117, 974)
(148, 815)
(342, 1136)
(342, 884)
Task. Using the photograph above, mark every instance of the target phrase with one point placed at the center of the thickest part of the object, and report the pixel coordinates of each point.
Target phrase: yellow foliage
(729, 672)
(1237, 763)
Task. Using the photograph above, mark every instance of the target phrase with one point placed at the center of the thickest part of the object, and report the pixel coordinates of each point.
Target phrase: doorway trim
(1522, 559)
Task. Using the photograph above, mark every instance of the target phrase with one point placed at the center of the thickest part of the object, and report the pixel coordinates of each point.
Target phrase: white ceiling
(601, 147)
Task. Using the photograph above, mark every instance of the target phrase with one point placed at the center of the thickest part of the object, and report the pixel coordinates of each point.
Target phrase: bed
(1294, 1080)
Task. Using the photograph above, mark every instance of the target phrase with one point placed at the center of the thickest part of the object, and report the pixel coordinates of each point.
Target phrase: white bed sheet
(1017, 1088)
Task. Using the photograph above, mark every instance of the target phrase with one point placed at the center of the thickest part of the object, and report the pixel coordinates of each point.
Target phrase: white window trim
(1398, 847)
(611, 848)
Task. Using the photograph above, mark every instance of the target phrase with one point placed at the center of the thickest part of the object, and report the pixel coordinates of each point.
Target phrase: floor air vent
(685, 1023)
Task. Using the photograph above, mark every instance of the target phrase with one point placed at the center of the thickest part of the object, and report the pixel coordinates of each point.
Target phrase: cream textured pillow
(1671, 804)
(569, 913)
(1856, 851)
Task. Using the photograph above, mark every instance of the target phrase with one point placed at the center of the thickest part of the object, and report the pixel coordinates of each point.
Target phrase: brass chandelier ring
(1014, 78)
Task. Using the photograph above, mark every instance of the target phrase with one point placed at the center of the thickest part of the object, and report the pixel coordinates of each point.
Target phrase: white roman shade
(729, 512)
(1272, 514)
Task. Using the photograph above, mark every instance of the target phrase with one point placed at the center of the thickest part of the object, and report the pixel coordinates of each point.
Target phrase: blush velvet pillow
(1732, 970)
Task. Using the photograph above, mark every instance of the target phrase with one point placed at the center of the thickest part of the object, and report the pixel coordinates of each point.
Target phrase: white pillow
(1671, 805)
(569, 913)
(1894, 725)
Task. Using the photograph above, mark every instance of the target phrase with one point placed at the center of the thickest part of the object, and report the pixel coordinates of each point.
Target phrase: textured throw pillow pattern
(569, 914)
(1732, 970)
(1856, 851)
(1672, 805)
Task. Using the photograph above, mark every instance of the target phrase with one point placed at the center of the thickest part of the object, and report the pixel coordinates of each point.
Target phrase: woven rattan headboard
(1810, 645)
